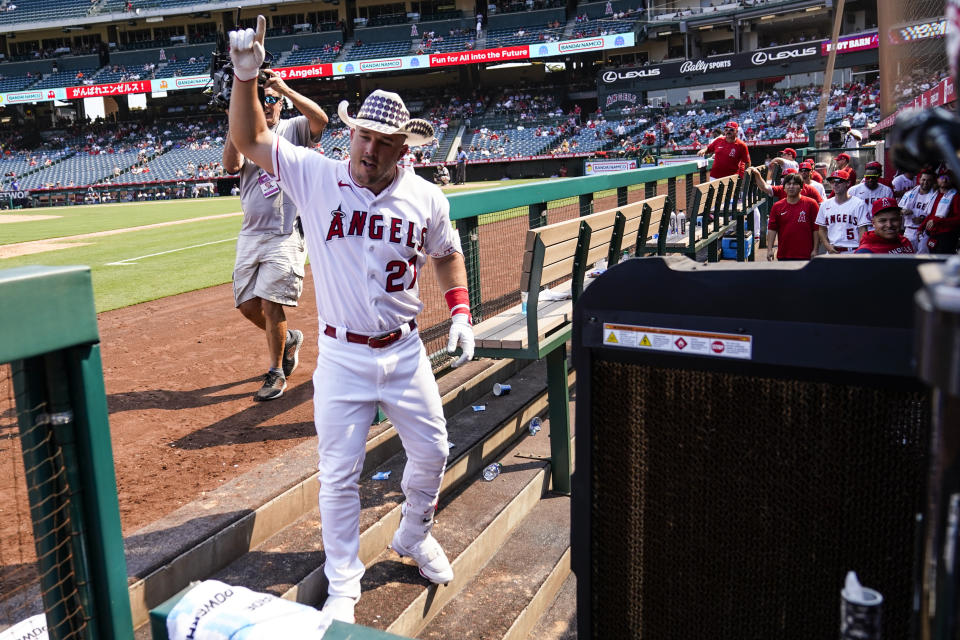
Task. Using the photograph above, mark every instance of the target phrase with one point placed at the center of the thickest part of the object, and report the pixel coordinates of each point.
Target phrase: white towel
(34, 627)
(548, 294)
(212, 610)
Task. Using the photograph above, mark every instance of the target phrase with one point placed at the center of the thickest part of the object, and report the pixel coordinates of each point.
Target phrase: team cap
(384, 112)
(806, 165)
(882, 204)
(731, 125)
(929, 170)
(789, 150)
(840, 174)
(789, 171)
(873, 169)
(844, 156)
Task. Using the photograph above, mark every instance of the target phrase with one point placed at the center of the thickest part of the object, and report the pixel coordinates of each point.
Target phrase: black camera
(221, 74)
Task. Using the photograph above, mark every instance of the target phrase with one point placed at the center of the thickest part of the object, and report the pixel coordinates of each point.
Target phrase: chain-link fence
(39, 569)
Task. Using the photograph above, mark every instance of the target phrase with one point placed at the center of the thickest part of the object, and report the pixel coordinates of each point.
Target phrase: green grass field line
(107, 217)
(181, 266)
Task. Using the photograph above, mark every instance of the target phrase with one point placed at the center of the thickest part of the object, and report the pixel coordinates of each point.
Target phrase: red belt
(375, 342)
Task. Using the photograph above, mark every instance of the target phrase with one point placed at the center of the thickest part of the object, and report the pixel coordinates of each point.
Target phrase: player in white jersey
(871, 190)
(370, 228)
(916, 205)
(842, 219)
(903, 182)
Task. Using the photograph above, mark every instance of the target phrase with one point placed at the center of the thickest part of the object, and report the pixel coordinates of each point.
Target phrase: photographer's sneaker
(428, 554)
(291, 351)
(273, 385)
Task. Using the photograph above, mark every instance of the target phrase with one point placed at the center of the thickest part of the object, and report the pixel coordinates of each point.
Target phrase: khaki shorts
(269, 267)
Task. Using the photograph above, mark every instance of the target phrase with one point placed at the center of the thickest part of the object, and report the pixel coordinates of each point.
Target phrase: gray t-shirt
(275, 213)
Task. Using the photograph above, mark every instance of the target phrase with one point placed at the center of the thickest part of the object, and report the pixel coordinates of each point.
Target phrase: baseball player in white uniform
(916, 206)
(870, 189)
(842, 219)
(370, 227)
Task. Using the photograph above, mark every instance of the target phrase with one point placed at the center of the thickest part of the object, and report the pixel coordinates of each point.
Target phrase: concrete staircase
(508, 539)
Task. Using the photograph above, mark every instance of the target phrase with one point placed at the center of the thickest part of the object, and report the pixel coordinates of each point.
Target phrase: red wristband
(458, 299)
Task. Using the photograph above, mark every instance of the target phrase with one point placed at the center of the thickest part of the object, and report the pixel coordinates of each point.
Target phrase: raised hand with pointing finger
(246, 50)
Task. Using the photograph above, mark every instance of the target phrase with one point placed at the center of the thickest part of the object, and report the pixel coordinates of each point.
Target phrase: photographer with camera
(269, 269)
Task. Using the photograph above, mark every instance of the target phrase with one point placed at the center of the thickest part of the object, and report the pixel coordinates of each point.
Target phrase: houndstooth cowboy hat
(384, 112)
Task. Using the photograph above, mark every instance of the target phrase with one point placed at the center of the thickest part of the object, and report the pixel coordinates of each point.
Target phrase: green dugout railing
(50, 351)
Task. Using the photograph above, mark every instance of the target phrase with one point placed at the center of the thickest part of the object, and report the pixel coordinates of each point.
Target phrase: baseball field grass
(188, 245)
(139, 252)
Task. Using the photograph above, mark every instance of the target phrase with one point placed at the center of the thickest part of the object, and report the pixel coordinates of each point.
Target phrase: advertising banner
(594, 167)
(112, 89)
(849, 44)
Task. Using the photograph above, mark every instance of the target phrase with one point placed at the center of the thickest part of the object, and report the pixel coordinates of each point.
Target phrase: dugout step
(517, 585)
(201, 538)
(471, 525)
(289, 563)
(559, 622)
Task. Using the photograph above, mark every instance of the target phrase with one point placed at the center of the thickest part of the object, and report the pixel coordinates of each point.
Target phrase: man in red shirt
(886, 236)
(794, 221)
(730, 155)
(779, 192)
(843, 164)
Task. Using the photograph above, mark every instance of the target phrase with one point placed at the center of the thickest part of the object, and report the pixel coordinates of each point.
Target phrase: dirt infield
(16, 217)
(180, 374)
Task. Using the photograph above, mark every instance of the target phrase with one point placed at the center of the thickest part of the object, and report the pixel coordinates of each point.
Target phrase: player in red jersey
(886, 236)
(793, 221)
(730, 155)
(778, 192)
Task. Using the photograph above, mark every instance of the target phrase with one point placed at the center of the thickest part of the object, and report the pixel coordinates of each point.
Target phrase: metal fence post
(649, 190)
(621, 196)
(470, 243)
(586, 203)
(538, 214)
(672, 190)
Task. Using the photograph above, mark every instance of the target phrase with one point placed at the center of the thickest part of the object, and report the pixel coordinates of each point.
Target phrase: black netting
(729, 506)
(35, 516)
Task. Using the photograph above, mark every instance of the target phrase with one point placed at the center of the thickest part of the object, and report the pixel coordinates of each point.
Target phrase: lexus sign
(762, 57)
(633, 74)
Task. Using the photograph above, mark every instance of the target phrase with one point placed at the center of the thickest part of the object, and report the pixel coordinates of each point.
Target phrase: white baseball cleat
(428, 554)
(339, 608)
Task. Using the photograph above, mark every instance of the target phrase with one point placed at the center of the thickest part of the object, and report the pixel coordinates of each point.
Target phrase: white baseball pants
(349, 382)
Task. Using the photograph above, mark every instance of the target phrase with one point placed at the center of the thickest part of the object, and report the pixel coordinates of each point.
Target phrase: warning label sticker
(701, 343)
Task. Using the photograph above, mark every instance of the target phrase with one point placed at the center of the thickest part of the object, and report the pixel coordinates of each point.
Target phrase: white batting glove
(246, 50)
(460, 333)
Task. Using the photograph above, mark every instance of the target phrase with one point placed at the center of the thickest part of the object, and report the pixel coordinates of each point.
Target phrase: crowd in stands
(916, 82)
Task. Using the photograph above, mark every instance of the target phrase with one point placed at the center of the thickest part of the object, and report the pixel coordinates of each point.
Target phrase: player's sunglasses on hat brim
(271, 99)
(805, 169)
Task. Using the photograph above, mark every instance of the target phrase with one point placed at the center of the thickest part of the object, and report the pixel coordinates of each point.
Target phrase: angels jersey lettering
(842, 220)
(366, 250)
